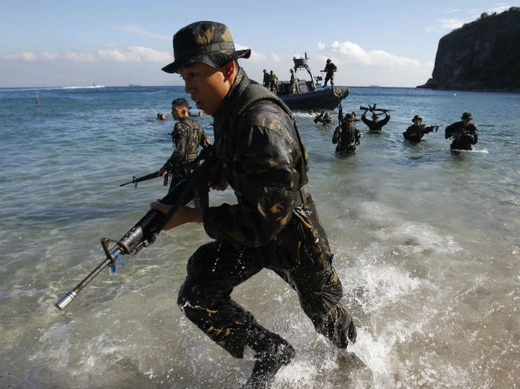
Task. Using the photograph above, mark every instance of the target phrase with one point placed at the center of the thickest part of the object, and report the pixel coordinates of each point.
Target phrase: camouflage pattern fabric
(375, 126)
(464, 137)
(346, 138)
(187, 137)
(414, 133)
(329, 70)
(207, 42)
(273, 225)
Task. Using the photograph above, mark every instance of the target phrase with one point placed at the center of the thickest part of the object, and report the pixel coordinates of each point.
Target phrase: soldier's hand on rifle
(181, 216)
(162, 172)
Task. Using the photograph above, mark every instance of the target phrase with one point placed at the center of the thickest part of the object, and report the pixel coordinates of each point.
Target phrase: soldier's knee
(188, 307)
(181, 300)
(185, 298)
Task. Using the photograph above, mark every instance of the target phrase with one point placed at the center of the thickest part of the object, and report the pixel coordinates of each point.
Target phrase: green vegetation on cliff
(481, 55)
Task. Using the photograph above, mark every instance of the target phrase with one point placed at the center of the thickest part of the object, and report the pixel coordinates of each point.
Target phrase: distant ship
(84, 87)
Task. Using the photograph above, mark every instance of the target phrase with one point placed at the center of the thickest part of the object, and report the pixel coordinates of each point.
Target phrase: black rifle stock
(145, 231)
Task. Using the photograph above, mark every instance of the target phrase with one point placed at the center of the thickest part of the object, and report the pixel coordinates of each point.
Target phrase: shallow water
(426, 244)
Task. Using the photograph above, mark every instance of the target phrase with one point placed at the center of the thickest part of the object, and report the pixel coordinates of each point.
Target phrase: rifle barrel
(69, 296)
(143, 178)
(145, 231)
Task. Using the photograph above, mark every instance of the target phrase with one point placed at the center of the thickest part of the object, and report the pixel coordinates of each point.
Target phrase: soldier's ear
(229, 69)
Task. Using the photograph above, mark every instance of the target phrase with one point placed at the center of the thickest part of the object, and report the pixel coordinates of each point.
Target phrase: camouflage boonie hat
(207, 42)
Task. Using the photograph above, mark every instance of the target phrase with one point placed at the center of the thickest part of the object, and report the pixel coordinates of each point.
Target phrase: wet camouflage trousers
(217, 267)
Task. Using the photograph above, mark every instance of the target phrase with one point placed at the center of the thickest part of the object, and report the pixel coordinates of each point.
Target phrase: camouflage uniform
(464, 137)
(329, 70)
(293, 83)
(267, 79)
(274, 225)
(346, 138)
(373, 125)
(414, 133)
(187, 136)
(273, 83)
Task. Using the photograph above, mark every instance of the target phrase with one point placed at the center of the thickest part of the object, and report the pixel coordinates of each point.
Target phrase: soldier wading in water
(274, 223)
(187, 137)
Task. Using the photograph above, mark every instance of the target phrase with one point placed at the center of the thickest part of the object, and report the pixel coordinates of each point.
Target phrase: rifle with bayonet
(135, 179)
(373, 108)
(194, 187)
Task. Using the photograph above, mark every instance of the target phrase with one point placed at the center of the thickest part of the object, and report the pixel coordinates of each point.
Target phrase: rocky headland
(483, 55)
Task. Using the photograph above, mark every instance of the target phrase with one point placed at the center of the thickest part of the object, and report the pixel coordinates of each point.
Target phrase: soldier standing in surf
(274, 223)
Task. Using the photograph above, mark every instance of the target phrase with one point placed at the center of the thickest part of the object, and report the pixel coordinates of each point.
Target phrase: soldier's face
(177, 112)
(206, 85)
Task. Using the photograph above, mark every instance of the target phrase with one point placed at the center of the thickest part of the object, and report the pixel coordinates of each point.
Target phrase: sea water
(426, 244)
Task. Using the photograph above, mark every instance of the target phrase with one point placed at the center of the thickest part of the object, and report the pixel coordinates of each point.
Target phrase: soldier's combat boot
(273, 352)
(338, 327)
(352, 332)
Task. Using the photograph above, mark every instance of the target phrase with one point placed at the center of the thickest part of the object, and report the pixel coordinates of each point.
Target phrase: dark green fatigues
(414, 133)
(463, 138)
(375, 126)
(274, 225)
(267, 80)
(187, 136)
(329, 70)
(347, 139)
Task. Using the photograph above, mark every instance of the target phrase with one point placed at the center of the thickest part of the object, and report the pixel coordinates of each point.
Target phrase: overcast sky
(49, 43)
